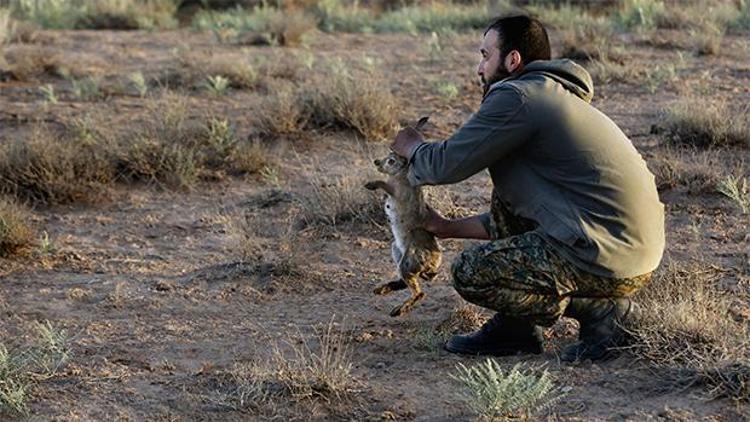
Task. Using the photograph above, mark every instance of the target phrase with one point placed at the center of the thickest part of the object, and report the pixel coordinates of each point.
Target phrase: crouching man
(575, 227)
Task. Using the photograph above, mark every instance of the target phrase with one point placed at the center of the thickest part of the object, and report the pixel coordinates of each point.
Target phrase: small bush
(493, 393)
(687, 330)
(32, 63)
(44, 168)
(15, 233)
(282, 114)
(361, 102)
(706, 124)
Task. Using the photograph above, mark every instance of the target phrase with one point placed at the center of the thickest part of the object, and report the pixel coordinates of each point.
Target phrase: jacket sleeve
(500, 126)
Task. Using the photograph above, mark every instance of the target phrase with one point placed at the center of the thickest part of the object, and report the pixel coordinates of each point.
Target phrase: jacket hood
(571, 75)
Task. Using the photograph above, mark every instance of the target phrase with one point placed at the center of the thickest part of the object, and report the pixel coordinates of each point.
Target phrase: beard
(497, 76)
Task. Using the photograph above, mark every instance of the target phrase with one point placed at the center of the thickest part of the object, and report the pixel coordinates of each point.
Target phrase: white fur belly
(396, 229)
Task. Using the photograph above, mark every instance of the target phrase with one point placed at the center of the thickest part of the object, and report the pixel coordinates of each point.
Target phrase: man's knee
(462, 271)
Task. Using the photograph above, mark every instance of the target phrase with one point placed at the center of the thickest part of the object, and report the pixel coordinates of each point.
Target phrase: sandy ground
(153, 288)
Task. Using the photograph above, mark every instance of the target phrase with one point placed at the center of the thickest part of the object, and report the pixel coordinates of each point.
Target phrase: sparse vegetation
(351, 101)
(341, 200)
(15, 230)
(43, 168)
(102, 14)
(297, 369)
(22, 367)
(494, 394)
(261, 25)
(698, 123)
(697, 170)
(689, 331)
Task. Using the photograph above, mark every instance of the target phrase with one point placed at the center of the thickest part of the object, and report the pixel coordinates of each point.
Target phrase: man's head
(509, 44)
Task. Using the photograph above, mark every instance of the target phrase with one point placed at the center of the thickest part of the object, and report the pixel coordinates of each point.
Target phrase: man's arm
(463, 228)
(500, 126)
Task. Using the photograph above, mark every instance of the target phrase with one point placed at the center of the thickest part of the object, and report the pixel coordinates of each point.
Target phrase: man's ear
(513, 62)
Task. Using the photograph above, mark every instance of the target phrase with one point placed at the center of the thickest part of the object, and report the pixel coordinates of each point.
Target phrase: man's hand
(436, 224)
(406, 140)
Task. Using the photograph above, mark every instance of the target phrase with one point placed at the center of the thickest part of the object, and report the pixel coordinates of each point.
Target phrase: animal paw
(400, 310)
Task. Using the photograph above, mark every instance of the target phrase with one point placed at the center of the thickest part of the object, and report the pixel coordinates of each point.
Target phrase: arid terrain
(175, 285)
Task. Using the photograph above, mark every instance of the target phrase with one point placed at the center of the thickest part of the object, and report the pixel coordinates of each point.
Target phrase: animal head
(392, 164)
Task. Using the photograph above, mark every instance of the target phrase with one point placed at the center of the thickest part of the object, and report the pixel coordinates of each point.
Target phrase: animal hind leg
(416, 295)
(399, 284)
(390, 287)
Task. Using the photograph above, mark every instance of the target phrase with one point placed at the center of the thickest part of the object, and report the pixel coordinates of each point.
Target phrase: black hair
(522, 33)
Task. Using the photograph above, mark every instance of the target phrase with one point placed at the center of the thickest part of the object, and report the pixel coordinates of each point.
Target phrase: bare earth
(153, 287)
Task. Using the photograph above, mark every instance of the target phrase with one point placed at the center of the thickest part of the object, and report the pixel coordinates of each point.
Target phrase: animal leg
(416, 295)
(380, 184)
(390, 287)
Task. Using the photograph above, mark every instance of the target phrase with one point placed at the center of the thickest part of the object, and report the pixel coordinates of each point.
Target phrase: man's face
(491, 67)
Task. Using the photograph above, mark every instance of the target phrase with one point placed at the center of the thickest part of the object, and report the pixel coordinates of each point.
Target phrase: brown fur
(414, 250)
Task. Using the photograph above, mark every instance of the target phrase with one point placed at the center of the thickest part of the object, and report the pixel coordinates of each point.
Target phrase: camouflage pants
(519, 274)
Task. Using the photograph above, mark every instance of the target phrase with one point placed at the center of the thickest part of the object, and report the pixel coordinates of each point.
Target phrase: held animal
(414, 250)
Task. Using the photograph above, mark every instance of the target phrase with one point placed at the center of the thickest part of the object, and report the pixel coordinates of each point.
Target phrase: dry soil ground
(160, 301)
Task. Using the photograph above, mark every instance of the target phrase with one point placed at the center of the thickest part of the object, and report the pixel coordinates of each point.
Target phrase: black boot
(601, 331)
(500, 336)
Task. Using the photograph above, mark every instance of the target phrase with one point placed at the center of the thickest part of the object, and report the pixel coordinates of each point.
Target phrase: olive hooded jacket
(555, 159)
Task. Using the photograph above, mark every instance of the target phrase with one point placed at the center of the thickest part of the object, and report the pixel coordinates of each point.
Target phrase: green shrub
(493, 393)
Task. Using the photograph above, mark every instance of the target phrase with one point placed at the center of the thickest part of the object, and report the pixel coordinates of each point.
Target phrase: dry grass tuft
(282, 114)
(707, 124)
(342, 200)
(32, 63)
(298, 370)
(699, 171)
(361, 102)
(47, 168)
(15, 232)
(687, 329)
(334, 99)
